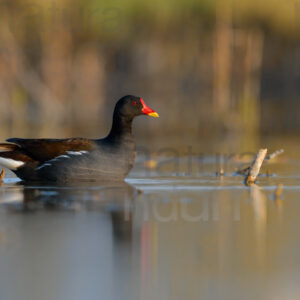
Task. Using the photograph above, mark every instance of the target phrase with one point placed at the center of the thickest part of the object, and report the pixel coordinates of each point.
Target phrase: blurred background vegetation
(210, 68)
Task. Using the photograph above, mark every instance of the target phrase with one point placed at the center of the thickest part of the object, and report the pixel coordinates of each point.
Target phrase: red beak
(148, 111)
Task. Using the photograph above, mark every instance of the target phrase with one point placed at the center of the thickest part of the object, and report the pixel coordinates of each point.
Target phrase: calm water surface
(164, 234)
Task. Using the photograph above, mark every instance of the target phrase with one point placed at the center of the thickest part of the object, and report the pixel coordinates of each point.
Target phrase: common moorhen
(79, 159)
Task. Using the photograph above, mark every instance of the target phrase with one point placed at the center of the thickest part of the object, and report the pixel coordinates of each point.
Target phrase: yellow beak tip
(154, 114)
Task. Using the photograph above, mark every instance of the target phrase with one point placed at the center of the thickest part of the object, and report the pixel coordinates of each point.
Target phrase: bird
(79, 159)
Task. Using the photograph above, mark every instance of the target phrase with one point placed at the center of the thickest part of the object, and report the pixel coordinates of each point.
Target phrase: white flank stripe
(62, 156)
(43, 166)
(58, 158)
(11, 163)
(49, 162)
(76, 152)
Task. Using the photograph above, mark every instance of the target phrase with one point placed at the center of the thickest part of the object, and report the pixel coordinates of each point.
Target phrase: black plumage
(79, 159)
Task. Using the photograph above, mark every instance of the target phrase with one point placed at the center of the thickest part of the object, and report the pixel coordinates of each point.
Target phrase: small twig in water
(244, 171)
(255, 167)
(220, 161)
(278, 194)
(274, 154)
(220, 173)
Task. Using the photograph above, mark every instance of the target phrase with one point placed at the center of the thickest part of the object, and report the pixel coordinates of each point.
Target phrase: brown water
(176, 231)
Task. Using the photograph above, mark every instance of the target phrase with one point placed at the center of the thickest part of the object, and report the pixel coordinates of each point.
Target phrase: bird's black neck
(121, 127)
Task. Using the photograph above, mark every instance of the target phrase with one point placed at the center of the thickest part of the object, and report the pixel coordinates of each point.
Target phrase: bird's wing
(42, 150)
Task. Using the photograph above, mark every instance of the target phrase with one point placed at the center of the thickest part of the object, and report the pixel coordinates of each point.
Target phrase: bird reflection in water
(115, 200)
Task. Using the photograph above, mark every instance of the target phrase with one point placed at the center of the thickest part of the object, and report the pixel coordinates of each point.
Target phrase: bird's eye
(133, 103)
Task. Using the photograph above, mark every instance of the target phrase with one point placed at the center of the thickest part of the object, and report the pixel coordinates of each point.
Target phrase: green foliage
(107, 18)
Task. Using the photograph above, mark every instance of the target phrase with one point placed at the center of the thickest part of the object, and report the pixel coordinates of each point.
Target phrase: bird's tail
(8, 147)
(11, 157)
